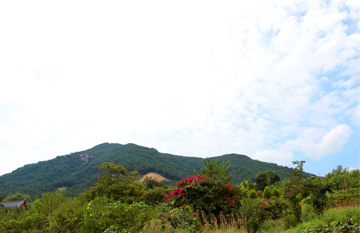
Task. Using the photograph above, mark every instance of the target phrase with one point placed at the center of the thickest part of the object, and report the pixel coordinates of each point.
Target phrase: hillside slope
(78, 171)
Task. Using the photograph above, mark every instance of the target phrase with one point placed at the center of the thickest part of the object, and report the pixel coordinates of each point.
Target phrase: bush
(206, 195)
(276, 192)
(154, 196)
(267, 192)
(253, 194)
(275, 208)
(103, 214)
(317, 188)
(250, 211)
(68, 217)
(290, 220)
(293, 194)
(174, 218)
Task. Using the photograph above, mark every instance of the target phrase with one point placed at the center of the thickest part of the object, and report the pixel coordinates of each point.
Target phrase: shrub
(177, 218)
(267, 192)
(154, 196)
(207, 195)
(253, 194)
(276, 192)
(103, 214)
(290, 220)
(250, 211)
(317, 188)
(273, 208)
(293, 194)
(68, 217)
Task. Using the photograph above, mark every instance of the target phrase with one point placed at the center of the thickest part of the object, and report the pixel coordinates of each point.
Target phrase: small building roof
(6, 204)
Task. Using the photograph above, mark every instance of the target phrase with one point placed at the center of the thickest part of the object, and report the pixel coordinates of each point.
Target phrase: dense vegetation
(77, 172)
(204, 202)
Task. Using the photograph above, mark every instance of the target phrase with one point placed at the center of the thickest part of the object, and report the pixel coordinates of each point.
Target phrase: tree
(18, 197)
(151, 183)
(266, 178)
(216, 172)
(299, 169)
(117, 184)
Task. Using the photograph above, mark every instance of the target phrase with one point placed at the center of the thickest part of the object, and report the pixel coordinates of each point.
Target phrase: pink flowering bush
(205, 195)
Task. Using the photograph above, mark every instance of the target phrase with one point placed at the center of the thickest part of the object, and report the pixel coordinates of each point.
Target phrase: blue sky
(275, 80)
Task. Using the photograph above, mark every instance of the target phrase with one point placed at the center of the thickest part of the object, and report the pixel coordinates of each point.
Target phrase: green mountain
(78, 171)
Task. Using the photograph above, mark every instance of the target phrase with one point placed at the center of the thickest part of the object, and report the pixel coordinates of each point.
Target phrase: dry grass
(233, 224)
(211, 225)
(154, 176)
(62, 189)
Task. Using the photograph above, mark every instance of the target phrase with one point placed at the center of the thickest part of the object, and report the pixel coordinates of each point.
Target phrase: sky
(277, 81)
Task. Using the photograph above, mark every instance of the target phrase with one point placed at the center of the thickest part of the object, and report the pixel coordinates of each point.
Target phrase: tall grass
(333, 220)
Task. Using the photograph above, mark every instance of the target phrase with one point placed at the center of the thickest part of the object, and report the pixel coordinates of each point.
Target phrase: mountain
(78, 171)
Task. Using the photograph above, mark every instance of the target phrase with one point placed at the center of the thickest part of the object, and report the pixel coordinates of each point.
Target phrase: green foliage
(318, 187)
(267, 192)
(155, 196)
(117, 184)
(335, 220)
(299, 170)
(215, 171)
(253, 194)
(177, 218)
(275, 208)
(290, 220)
(344, 178)
(52, 213)
(17, 197)
(77, 172)
(293, 194)
(206, 195)
(194, 201)
(247, 184)
(251, 211)
(276, 192)
(266, 178)
(103, 215)
(68, 216)
(49, 202)
(151, 183)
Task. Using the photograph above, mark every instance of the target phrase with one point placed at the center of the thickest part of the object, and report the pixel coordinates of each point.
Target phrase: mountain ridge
(78, 171)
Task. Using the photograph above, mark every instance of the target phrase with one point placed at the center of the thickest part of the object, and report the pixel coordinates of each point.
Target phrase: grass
(333, 220)
(341, 219)
(346, 219)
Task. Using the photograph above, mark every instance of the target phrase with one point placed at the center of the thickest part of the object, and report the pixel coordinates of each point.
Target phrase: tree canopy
(266, 178)
(216, 172)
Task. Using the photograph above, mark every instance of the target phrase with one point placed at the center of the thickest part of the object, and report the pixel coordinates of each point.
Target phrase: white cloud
(275, 156)
(317, 142)
(263, 79)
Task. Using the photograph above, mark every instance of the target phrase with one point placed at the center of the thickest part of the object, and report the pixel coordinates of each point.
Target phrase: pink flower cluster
(190, 180)
(233, 192)
(179, 192)
(230, 201)
(180, 186)
(228, 186)
(266, 201)
(293, 190)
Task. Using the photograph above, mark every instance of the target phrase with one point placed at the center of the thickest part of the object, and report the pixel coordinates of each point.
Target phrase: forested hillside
(78, 171)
